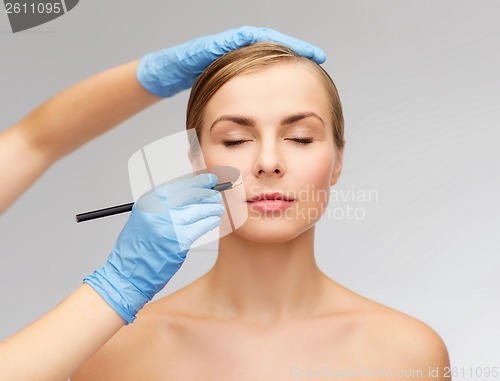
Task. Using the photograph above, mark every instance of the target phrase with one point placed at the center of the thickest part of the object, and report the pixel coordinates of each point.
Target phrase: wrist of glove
(119, 292)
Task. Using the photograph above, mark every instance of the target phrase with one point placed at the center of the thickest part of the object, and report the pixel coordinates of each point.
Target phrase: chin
(269, 231)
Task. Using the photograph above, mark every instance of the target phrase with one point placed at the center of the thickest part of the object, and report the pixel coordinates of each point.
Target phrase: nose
(268, 163)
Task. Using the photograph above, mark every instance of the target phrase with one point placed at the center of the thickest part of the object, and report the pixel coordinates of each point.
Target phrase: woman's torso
(355, 340)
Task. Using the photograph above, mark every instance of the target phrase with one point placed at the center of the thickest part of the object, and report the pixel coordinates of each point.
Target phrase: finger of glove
(195, 191)
(246, 35)
(203, 180)
(162, 206)
(158, 199)
(200, 52)
(301, 47)
(194, 196)
(191, 232)
(192, 221)
(189, 214)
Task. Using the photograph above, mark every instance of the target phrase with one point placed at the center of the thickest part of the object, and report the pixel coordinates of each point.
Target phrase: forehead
(270, 93)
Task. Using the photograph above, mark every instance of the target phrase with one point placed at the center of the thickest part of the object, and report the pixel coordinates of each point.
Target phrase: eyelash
(232, 143)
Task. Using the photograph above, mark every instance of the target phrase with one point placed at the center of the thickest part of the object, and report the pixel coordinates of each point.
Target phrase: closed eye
(303, 141)
(232, 143)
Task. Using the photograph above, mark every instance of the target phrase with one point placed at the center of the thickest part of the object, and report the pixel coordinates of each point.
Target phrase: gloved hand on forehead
(152, 246)
(169, 71)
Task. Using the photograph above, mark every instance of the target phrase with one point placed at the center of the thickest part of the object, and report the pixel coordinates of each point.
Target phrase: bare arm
(64, 123)
(58, 343)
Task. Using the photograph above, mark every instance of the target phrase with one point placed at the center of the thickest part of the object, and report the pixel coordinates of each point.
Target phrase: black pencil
(128, 207)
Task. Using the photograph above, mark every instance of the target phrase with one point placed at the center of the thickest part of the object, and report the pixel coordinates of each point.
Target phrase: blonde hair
(251, 58)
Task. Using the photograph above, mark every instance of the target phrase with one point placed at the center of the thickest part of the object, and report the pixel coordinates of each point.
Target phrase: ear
(337, 170)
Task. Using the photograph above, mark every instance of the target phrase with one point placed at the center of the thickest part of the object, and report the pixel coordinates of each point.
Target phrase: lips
(271, 196)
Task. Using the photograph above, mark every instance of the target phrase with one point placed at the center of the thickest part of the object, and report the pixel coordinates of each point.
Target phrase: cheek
(317, 168)
(218, 155)
(315, 175)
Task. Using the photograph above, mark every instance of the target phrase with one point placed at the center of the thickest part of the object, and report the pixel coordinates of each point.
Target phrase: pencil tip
(236, 184)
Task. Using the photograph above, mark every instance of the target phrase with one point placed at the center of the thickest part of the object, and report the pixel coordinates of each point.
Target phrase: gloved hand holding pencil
(152, 246)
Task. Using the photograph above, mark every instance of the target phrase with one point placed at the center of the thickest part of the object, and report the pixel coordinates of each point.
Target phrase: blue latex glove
(166, 72)
(153, 244)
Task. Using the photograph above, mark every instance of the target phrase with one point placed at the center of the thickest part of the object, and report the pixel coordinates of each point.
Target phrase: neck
(265, 282)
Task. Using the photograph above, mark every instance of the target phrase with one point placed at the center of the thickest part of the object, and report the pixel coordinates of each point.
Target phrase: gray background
(420, 87)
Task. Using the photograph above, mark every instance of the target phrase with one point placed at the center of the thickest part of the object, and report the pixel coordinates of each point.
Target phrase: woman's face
(274, 126)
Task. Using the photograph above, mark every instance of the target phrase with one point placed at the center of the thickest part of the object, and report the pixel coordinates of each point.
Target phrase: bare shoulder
(409, 344)
(131, 351)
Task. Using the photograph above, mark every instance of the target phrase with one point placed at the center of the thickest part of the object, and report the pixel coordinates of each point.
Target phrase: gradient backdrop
(420, 86)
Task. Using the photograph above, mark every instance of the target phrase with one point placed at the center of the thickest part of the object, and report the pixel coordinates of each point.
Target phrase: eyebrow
(248, 122)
